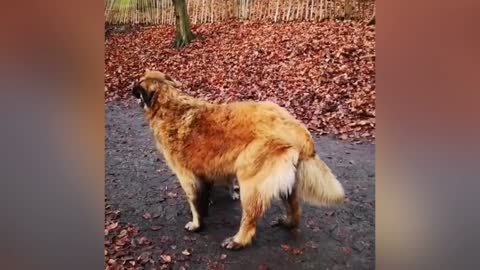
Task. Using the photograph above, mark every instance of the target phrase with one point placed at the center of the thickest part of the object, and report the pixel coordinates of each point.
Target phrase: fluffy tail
(316, 183)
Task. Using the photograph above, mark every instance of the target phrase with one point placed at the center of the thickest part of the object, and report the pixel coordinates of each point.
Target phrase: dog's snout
(136, 90)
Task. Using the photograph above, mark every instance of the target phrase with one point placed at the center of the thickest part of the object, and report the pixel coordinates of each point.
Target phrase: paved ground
(138, 182)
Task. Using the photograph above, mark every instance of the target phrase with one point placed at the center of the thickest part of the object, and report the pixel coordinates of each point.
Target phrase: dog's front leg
(232, 188)
(197, 193)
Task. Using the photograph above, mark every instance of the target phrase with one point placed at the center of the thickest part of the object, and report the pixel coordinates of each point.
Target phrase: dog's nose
(136, 90)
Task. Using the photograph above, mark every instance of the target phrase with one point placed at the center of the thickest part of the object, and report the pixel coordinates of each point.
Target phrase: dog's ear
(152, 97)
(172, 82)
(147, 97)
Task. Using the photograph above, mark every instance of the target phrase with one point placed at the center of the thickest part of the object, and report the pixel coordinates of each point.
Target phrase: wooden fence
(204, 11)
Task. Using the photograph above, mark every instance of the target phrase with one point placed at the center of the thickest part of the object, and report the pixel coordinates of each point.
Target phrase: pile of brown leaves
(323, 73)
(123, 248)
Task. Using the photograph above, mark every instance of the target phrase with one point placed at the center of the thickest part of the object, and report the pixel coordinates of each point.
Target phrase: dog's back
(220, 134)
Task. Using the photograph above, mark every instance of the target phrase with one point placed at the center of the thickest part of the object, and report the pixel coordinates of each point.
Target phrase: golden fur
(270, 152)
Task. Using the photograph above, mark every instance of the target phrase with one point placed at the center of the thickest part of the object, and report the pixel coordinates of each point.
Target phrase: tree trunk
(288, 11)
(276, 11)
(348, 10)
(184, 33)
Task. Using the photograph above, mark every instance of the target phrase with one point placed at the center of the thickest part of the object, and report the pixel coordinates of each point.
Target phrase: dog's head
(149, 87)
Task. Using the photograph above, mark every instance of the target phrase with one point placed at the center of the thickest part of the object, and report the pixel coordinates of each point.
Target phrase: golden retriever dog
(271, 154)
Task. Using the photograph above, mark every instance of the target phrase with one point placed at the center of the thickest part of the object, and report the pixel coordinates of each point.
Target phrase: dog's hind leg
(294, 211)
(197, 192)
(274, 178)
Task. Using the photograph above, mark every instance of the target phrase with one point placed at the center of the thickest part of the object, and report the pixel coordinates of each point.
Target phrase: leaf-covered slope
(323, 73)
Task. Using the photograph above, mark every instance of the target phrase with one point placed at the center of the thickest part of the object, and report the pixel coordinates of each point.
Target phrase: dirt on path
(139, 182)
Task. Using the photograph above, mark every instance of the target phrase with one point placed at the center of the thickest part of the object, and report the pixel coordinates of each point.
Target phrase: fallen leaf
(127, 258)
(147, 215)
(122, 234)
(143, 240)
(189, 238)
(297, 251)
(144, 257)
(346, 250)
(155, 227)
(112, 226)
(166, 258)
(214, 265)
(285, 247)
(262, 267)
(172, 194)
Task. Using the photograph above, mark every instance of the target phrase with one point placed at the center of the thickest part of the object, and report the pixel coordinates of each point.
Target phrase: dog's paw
(229, 243)
(192, 227)
(235, 196)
